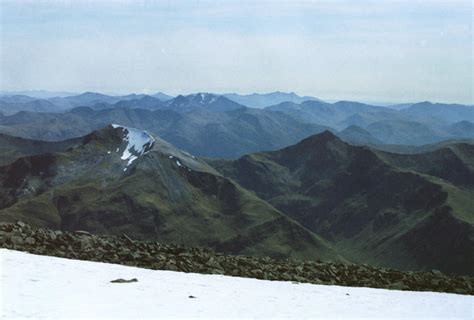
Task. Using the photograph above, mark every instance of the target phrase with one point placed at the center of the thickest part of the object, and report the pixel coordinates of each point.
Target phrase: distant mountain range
(206, 133)
(321, 198)
(262, 100)
(37, 94)
(420, 123)
(213, 125)
(12, 102)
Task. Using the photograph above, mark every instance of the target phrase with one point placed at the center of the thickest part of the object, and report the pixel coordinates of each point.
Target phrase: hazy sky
(366, 50)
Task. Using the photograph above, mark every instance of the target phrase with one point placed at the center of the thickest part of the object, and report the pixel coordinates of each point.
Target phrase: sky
(391, 51)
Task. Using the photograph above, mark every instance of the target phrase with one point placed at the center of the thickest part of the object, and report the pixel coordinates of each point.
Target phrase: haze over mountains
(265, 174)
(229, 126)
(259, 100)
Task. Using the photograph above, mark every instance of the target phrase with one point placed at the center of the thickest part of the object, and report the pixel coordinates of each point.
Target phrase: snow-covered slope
(138, 143)
(34, 286)
(203, 98)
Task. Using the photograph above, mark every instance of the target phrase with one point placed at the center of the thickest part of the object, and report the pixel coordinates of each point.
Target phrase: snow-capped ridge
(139, 142)
(203, 98)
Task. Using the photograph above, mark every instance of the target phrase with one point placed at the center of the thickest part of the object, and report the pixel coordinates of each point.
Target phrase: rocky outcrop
(153, 255)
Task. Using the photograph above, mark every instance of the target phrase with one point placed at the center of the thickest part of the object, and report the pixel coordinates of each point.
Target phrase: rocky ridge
(153, 255)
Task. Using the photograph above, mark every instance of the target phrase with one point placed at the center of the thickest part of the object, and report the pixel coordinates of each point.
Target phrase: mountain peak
(203, 101)
(264, 100)
(162, 96)
(316, 140)
(90, 94)
(139, 142)
(325, 135)
(203, 98)
(130, 142)
(104, 136)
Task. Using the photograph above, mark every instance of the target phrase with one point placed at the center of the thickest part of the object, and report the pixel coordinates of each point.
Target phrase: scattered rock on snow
(159, 256)
(124, 281)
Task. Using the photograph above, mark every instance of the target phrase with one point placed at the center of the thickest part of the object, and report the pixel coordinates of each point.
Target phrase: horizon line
(70, 93)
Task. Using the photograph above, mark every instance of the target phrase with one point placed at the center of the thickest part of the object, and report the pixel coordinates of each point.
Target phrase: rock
(128, 239)
(286, 277)
(86, 244)
(171, 267)
(299, 279)
(192, 297)
(124, 281)
(437, 272)
(82, 233)
(153, 255)
(212, 263)
(398, 286)
(216, 271)
(17, 240)
(21, 224)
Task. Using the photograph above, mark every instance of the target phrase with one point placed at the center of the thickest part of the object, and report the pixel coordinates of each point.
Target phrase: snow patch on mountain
(176, 159)
(203, 98)
(48, 287)
(139, 142)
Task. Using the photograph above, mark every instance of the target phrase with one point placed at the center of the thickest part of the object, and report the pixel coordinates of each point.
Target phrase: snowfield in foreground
(39, 286)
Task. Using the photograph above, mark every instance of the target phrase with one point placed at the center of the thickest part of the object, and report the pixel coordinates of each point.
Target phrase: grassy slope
(157, 199)
(376, 209)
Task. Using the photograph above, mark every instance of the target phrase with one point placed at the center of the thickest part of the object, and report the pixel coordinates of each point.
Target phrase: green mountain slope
(373, 210)
(453, 163)
(121, 180)
(12, 148)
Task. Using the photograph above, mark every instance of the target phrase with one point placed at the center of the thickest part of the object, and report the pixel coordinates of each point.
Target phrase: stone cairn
(158, 256)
